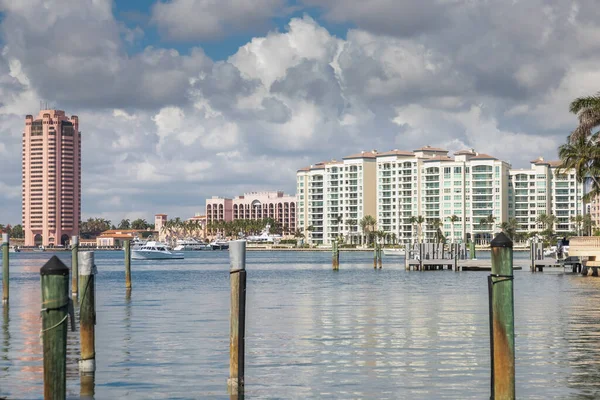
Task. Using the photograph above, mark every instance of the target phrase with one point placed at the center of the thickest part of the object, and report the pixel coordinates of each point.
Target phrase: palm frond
(582, 103)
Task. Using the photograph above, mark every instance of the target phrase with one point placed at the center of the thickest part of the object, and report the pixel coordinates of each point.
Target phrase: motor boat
(39, 248)
(137, 243)
(14, 249)
(394, 252)
(191, 245)
(219, 244)
(560, 251)
(155, 251)
(264, 237)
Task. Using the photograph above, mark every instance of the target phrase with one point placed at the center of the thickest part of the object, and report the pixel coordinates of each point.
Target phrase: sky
(182, 100)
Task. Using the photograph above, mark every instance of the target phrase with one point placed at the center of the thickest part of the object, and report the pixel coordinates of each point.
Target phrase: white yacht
(137, 243)
(191, 245)
(14, 249)
(264, 237)
(155, 251)
(219, 244)
(560, 251)
(394, 252)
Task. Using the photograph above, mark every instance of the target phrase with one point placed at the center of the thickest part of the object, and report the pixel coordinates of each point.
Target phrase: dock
(456, 257)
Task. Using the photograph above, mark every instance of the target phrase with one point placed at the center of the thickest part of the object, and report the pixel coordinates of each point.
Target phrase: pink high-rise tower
(51, 178)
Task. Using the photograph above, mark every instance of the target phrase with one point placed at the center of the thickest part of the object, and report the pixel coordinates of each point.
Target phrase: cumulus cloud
(209, 19)
(163, 129)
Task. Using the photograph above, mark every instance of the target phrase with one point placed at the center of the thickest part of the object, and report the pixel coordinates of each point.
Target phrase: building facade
(545, 189)
(254, 206)
(334, 196)
(51, 176)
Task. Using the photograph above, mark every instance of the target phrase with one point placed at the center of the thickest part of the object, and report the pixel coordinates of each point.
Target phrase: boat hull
(155, 255)
(394, 253)
(220, 246)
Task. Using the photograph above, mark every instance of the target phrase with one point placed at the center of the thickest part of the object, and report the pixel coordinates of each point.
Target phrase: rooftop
(362, 154)
(434, 149)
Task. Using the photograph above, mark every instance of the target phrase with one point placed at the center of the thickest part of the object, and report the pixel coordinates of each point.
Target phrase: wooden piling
(380, 252)
(55, 308)
(237, 321)
(472, 250)
(87, 313)
(74, 266)
(502, 323)
(5, 261)
(375, 256)
(127, 250)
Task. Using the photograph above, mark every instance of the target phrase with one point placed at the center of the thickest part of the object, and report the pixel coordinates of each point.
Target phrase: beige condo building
(334, 196)
(545, 189)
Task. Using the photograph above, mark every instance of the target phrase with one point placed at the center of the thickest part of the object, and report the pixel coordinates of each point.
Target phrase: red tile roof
(364, 154)
(438, 158)
(396, 153)
(429, 148)
(482, 156)
(465, 152)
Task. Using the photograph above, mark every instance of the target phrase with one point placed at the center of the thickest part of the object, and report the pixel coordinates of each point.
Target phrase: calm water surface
(311, 332)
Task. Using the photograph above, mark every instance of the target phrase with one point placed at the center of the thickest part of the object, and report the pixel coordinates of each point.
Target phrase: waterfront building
(593, 208)
(116, 237)
(334, 196)
(51, 176)
(545, 189)
(254, 205)
(455, 195)
(160, 221)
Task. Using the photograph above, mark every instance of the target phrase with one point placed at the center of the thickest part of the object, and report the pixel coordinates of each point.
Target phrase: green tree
(588, 224)
(547, 221)
(453, 220)
(139, 224)
(510, 228)
(124, 224)
(17, 232)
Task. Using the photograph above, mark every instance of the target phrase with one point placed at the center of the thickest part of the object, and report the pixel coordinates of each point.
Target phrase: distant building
(51, 204)
(116, 237)
(201, 219)
(395, 186)
(593, 208)
(541, 189)
(254, 205)
(159, 222)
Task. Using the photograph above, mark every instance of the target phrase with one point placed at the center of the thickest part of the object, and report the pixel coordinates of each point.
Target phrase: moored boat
(155, 251)
(14, 249)
(394, 252)
(219, 244)
(191, 245)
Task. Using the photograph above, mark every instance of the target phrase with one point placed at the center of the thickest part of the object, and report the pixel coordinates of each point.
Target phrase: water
(311, 332)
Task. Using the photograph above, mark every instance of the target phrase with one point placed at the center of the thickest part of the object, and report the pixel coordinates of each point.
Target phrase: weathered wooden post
(375, 255)
(472, 250)
(55, 311)
(87, 313)
(74, 266)
(127, 250)
(237, 321)
(335, 255)
(502, 322)
(380, 252)
(5, 260)
(532, 250)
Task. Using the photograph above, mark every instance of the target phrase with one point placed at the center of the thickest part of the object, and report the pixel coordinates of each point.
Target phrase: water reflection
(311, 333)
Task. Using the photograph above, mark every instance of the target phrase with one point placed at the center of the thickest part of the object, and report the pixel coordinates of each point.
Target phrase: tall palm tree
(587, 110)
(588, 223)
(453, 219)
(582, 154)
(364, 227)
(419, 221)
(578, 220)
(510, 228)
(352, 223)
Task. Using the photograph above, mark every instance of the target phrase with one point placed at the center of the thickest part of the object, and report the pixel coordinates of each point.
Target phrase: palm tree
(578, 220)
(352, 223)
(582, 154)
(510, 228)
(547, 220)
(587, 110)
(588, 224)
(436, 225)
(453, 219)
(364, 227)
(367, 224)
